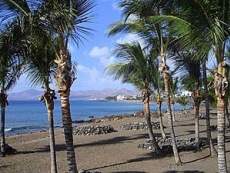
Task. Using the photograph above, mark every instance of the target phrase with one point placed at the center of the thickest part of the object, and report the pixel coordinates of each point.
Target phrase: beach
(115, 152)
(31, 116)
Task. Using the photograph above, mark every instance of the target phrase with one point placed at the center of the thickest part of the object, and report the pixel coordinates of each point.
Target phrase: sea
(31, 116)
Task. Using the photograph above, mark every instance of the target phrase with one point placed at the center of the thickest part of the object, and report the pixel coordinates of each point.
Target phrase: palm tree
(65, 20)
(204, 24)
(191, 79)
(10, 68)
(227, 56)
(174, 84)
(35, 47)
(159, 101)
(41, 71)
(155, 36)
(137, 68)
(207, 103)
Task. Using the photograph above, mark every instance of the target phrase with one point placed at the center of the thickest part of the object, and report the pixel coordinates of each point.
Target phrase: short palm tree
(159, 101)
(41, 70)
(174, 84)
(65, 21)
(207, 111)
(10, 68)
(137, 67)
(156, 37)
(191, 80)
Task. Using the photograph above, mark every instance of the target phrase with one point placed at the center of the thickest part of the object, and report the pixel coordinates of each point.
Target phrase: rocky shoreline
(95, 119)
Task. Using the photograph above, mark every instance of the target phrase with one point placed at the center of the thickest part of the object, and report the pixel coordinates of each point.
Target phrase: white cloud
(91, 73)
(103, 54)
(130, 38)
(96, 78)
(99, 52)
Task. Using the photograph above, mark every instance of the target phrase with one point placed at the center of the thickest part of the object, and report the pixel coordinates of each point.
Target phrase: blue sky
(95, 53)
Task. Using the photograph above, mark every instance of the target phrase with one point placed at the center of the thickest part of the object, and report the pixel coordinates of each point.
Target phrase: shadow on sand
(115, 140)
(187, 171)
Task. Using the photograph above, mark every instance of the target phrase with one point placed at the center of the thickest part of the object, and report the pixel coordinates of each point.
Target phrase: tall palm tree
(10, 68)
(156, 37)
(41, 70)
(65, 20)
(205, 24)
(137, 67)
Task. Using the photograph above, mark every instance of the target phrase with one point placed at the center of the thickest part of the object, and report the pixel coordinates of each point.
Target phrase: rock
(183, 144)
(93, 130)
(139, 126)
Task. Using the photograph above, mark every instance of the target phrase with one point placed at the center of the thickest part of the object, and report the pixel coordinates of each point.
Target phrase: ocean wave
(24, 129)
(8, 129)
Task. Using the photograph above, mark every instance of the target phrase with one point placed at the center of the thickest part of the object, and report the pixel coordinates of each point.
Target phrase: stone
(183, 144)
(139, 126)
(93, 130)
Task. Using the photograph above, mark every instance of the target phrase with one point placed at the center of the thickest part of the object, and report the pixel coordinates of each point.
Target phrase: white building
(121, 97)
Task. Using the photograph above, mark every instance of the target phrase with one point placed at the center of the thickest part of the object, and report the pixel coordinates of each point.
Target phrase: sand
(110, 153)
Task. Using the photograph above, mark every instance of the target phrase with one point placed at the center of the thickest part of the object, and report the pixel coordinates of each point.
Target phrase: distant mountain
(100, 94)
(31, 94)
(75, 95)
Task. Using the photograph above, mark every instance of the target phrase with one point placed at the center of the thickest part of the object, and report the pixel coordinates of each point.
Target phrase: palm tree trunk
(49, 97)
(220, 90)
(197, 100)
(147, 113)
(227, 101)
(52, 142)
(222, 165)
(64, 80)
(197, 131)
(209, 133)
(173, 113)
(161, 120)
(226, 112)
(3, 131)
(167, 90)
(68, 132)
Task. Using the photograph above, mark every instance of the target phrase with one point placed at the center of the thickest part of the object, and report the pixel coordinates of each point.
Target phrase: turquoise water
(24, 116)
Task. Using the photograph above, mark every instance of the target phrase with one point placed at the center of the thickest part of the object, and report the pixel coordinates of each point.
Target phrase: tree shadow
(116, 140)
(195, 160)
(46, 148)
(144, 157)
(128, 172)
(4, 166)
(62, 147)
(184, 125)
(186, 171)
